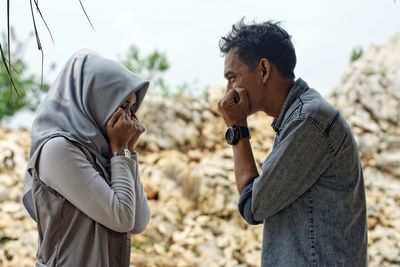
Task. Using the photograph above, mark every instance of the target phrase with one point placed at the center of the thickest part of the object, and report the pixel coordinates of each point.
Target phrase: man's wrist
(238, 123)
(235, 133)
(245, 183)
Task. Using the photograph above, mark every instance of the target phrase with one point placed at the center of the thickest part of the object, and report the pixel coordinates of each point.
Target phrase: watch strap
(243, 131)
(124, 152)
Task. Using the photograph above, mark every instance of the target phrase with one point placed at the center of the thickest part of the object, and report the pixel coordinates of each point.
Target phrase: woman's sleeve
(142, 212)
(63, 167)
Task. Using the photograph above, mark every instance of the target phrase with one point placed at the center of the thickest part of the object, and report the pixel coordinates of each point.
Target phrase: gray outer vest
(67, 237)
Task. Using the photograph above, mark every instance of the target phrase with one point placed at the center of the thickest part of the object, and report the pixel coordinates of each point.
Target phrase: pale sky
(324, 32)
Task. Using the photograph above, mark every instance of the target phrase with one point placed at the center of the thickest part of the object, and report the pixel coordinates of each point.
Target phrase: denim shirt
(310, 195)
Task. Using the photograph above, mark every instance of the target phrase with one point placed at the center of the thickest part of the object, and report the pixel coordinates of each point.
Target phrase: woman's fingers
(138, 125)
(124, 129)
(115, 117)
(133, 116)
(124, 121)
(141, 128)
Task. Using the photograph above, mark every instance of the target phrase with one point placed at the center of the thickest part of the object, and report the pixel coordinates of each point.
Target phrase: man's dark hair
(267, 40)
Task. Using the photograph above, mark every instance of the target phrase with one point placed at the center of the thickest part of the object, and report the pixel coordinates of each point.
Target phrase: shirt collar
(298, 88)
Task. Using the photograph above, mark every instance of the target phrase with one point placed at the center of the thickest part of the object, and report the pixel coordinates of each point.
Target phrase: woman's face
(128, 104)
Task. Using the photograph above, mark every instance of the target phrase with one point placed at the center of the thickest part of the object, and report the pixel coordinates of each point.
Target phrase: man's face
(238, 74)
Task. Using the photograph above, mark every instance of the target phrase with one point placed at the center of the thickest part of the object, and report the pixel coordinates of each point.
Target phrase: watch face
(230, 136)
(127, 153)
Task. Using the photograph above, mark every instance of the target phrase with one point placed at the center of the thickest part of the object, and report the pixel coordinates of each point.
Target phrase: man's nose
(229, 87)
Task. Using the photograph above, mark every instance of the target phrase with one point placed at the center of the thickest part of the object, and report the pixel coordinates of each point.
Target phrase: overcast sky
(324, 32)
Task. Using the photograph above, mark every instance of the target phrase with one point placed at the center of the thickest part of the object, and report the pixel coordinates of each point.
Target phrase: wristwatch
(235, 133)
(124, 152)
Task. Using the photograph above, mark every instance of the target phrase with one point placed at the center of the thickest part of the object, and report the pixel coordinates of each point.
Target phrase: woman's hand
(138, 132)
(120, 130)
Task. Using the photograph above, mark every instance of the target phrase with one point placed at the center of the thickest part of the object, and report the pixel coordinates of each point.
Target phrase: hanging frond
(86, 14)
(6, 59)
(44, 21)
(6, 66)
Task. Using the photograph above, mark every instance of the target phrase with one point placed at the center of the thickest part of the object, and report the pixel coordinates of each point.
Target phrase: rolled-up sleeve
(293, 166)
(244, 205)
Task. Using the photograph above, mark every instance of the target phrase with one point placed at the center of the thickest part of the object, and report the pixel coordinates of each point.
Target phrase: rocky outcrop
(18, 234)
(187, 170)
(369, 98)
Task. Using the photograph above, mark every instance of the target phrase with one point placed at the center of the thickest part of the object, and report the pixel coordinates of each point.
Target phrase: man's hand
(234, 107)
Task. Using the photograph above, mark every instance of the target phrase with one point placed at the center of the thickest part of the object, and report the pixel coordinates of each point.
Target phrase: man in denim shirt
(310, 195)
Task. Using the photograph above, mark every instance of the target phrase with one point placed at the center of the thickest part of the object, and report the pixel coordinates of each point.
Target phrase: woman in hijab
(82, 185)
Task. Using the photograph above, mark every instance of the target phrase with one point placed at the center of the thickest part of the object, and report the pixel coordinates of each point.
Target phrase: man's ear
(265, 69)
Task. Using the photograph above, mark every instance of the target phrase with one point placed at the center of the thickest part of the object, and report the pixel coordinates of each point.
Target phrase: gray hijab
(80, 102)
